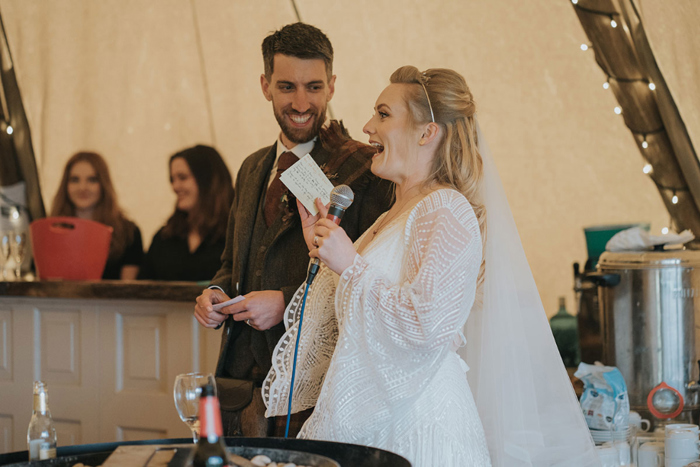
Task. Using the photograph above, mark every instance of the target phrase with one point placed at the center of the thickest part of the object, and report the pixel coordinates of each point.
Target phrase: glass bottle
(565, 330)
(41, 434)
(210, 450)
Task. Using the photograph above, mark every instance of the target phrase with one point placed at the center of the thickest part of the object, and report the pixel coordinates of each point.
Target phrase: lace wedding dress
(377, 350)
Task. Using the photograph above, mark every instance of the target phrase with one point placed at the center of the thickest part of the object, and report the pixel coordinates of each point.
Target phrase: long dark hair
(210, 214)
(107, 210)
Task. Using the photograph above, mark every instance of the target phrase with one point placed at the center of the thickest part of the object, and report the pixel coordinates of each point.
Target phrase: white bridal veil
(527, 405)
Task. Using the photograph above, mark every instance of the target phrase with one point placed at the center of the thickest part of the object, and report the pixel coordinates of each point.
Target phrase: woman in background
(189, 246)
(86, 192)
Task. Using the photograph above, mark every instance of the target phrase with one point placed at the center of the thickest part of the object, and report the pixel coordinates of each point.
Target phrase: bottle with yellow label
(41, 435)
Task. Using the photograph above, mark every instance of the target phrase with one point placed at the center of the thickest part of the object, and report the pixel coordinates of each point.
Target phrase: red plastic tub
(70, 248)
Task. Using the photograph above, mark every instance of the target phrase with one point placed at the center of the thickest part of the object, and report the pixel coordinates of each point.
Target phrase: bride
(378, 351)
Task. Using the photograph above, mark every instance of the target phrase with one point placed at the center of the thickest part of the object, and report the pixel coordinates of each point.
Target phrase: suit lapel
(255, 191)
(319, 154)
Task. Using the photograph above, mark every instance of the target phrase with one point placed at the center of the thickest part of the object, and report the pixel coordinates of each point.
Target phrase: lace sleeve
(316, 344)
(432, 301)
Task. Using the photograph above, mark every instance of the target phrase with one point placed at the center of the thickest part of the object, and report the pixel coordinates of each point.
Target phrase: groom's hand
(203, 310)
(260, 310)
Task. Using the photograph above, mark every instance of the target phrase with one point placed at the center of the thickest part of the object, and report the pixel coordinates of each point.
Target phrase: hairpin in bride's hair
(430, 106)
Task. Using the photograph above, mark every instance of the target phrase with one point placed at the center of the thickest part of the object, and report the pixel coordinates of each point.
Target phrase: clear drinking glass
(4, 251)
(186, 392)
(18, 246)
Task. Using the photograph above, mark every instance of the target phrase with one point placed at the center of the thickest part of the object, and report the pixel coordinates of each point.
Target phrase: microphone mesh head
(342, 196)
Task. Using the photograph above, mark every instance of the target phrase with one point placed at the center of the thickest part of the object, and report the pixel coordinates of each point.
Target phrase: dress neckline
(389, 226)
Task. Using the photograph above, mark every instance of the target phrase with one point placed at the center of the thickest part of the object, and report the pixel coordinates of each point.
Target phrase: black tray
(347, 455)
(276, 455)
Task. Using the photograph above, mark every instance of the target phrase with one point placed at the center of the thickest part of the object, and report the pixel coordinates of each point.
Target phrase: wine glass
(186, 392)
(5, 251)
(18, 246)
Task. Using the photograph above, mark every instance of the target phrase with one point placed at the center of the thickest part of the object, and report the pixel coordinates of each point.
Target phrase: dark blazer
(286, 257)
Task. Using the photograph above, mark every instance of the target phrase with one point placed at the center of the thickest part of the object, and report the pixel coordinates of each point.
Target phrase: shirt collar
(300, 150)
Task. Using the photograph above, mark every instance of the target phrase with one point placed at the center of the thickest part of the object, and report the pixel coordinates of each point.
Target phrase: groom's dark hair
(297, 40)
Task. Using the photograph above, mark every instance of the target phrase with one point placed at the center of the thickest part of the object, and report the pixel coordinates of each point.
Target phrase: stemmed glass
(5, 250)
(18, 246)
(186, 392)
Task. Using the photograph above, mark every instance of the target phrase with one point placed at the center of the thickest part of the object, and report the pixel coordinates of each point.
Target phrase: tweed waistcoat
(253, 348)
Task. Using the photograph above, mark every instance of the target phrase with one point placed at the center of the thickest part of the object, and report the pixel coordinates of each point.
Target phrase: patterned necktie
(273, 198)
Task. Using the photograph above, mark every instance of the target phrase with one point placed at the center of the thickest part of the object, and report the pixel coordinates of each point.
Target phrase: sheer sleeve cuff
(357, 267)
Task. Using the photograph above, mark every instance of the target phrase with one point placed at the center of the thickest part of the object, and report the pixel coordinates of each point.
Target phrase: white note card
(306, 181)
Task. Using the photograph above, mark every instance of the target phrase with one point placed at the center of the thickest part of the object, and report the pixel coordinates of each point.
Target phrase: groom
(266, 257)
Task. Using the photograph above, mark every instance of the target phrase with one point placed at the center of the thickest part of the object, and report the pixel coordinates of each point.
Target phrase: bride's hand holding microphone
(326, 240)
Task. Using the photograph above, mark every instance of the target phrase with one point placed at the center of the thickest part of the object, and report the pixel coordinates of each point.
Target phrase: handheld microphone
(341, 199)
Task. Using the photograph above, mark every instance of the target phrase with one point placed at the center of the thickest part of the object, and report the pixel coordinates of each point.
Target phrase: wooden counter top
(135, 290)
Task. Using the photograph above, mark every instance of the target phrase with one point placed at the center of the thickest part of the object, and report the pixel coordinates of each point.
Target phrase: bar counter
(130, 290)
(109, 352)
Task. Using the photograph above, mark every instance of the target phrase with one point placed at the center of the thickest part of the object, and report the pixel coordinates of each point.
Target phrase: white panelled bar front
(109, 365)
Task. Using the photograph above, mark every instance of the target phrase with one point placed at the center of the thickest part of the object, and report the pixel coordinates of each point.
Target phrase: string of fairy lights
(648, 169)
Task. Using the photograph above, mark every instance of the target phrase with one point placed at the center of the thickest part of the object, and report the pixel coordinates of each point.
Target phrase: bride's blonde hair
(442, 95)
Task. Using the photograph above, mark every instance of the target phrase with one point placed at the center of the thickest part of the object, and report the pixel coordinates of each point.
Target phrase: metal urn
(649, 322)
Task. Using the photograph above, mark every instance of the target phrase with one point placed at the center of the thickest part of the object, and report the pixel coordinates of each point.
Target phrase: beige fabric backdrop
(137, 80)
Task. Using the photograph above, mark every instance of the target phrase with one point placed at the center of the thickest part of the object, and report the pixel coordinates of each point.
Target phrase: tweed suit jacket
(286, 256)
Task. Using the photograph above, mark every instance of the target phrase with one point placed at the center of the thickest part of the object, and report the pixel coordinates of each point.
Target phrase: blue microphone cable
(296, 350)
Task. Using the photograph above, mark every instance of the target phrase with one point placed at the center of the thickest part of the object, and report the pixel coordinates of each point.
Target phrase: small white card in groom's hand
(220, 306)
(306, 181)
